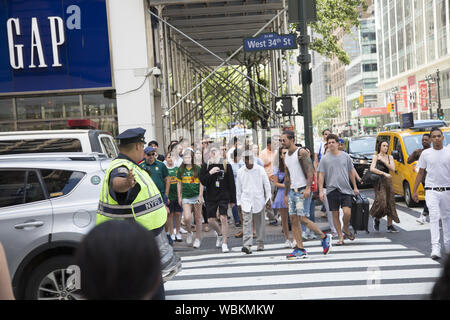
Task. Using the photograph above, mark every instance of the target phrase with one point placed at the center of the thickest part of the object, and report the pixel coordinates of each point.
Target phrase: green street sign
(369, 122)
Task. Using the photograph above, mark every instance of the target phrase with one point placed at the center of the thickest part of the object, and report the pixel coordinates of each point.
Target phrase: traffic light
(390, 107)
(359, 125)
(440, 113)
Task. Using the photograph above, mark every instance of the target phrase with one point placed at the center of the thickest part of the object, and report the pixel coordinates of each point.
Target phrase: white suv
(48, 202)
(52, 141)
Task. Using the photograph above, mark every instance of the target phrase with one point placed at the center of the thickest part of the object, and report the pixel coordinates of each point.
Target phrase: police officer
(128, 192)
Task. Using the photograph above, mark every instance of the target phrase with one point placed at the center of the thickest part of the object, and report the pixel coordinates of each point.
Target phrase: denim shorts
(193, 200)
(297, 205)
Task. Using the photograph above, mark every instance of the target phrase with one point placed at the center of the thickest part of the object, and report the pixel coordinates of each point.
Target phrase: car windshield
(414, 142)
(366, 145)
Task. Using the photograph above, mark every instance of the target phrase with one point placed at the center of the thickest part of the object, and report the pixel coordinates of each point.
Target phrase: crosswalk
(363, 269)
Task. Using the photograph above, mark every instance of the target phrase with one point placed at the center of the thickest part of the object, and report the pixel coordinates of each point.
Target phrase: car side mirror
(395, 155)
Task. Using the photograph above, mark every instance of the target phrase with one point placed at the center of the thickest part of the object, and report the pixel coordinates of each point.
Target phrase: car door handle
(29, 224)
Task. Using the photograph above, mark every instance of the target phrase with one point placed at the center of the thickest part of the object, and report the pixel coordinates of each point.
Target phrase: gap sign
(270, 41)
(53, 45)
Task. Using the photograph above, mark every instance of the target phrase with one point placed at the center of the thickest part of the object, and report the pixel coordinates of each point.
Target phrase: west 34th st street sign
(270, 41)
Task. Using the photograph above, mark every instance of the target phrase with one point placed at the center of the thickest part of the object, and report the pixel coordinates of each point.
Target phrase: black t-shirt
(218, 188)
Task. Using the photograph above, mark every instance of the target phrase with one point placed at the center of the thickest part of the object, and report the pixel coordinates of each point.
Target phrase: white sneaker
(218, 240)
(189, 239)
(182, 230)
(294, 244)
(196, 243)
(225, 248)
(288, 244)
(173, 237)
(422, 219)
(178, 237)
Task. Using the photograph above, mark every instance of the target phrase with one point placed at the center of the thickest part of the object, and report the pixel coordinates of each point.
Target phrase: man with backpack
(297, 194)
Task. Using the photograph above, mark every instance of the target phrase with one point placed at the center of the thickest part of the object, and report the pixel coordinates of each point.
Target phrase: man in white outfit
(252, 195)
(436, 162)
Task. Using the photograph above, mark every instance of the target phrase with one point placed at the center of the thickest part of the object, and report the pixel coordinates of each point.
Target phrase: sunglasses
(151, 154)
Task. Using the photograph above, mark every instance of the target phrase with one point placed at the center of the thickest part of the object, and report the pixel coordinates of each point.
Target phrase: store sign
(365, 112)
(53, 45)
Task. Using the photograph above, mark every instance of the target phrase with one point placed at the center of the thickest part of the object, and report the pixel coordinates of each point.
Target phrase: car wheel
(407, 194)
(52, 280)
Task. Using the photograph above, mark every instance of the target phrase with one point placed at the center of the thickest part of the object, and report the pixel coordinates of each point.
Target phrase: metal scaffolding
(203, 70)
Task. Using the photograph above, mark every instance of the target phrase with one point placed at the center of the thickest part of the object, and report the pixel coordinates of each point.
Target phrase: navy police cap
(131, 136)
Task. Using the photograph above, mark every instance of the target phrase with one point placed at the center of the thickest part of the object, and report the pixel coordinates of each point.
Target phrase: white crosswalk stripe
(362, 269)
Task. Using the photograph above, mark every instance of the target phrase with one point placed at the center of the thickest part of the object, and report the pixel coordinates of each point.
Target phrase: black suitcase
(360, 213)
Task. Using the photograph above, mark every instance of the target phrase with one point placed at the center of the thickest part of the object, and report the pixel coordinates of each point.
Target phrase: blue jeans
(235, 214)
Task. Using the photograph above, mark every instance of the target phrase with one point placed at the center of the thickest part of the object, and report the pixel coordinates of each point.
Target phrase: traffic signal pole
(304, 59)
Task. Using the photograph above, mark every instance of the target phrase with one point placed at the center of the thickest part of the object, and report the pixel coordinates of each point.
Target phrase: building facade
(413, 45)
(86, 60)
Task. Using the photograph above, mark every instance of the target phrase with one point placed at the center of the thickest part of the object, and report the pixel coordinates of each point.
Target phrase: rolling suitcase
(360, 213)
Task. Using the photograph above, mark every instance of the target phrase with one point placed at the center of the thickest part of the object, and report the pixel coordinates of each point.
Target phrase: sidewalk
(274, 234)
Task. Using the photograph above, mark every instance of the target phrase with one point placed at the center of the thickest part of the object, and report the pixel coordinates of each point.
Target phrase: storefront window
(52, 112)
(98, 105)
(6, 109)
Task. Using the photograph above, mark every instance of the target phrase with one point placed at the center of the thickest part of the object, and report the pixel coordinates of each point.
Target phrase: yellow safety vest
(148, 208)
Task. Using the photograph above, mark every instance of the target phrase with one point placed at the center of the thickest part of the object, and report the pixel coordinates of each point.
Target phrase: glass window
(61, 182)
(365, 145)
(28, 126)
(407, 9)
(5, 127)
(429, 23)
(6, 109)
(98, 105)
(441, 27)
(12, 191)
(109, 147)
(31, 108)
(412, 143)
(39, 146)
(33, 188)
(398, 147)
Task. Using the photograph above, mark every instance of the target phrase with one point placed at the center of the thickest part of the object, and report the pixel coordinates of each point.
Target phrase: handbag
(370, 177)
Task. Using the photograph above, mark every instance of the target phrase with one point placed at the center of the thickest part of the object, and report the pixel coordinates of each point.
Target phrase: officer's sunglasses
(151, 154)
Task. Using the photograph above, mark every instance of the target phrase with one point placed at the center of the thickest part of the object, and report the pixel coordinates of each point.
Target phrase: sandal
(350, 235)
(340, 243)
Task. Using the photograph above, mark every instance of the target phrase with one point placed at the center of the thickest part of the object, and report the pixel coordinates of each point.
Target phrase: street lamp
(429, 80)
(439, 95)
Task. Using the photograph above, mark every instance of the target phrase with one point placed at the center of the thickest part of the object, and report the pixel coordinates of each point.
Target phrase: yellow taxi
(402, 143)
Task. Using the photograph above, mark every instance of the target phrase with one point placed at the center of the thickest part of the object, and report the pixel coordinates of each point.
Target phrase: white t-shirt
(298, 179)
(437, 164)
(320, 148)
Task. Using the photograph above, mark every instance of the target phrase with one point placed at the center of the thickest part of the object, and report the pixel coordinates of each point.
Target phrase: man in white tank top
(297, 194)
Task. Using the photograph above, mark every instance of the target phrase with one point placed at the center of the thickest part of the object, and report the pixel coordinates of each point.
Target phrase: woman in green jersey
(190, 195)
